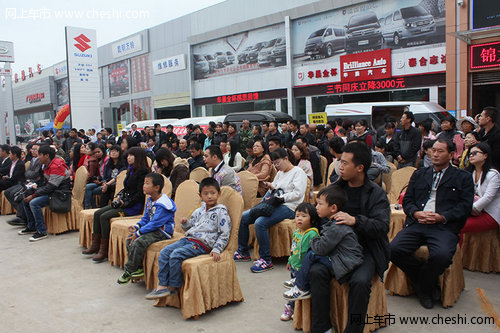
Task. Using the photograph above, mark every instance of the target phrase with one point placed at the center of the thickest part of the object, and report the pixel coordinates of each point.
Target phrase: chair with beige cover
(399, 179)
(386, 178)
(6, 207)
(198, 174)
(117, 252)
(249, 186)
(187, 199)
(87, 215)
(243, 161)
(208, 284)
(149, 160)
(339, 296)
(481, 251)
(452, 281)
(61, 222)
(273, 173)
(331, 167)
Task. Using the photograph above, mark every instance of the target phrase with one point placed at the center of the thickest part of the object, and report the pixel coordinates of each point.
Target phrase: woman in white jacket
(486, 209)
(293, 181)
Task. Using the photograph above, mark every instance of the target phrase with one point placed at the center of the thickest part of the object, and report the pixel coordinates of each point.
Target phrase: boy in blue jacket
(157, 224)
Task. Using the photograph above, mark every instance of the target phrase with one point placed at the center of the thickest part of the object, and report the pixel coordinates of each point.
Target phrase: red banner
(372, 65)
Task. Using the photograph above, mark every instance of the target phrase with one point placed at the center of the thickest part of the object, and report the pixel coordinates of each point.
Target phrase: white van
(375, 113)
(150, 123)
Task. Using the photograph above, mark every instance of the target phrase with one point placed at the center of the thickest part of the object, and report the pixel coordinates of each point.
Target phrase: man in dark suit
(135, 133)
(437, 203)
(6, 162)
(160, 136)
(490, 132)
(16, 171)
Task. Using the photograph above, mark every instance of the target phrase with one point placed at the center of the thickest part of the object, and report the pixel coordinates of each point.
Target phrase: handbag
(268, 204)
(60, 201)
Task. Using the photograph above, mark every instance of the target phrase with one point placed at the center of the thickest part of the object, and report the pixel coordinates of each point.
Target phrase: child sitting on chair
(157, 224)
(337, 247)
(207, 231)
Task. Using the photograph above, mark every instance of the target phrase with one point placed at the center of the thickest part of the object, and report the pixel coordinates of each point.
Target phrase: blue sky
(37, 28)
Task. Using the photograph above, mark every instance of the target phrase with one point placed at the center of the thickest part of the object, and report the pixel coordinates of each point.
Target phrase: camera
(116, 203)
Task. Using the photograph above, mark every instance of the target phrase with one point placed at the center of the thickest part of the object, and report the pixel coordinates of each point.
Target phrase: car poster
(248, 51)
(413, 31)
(118, 78)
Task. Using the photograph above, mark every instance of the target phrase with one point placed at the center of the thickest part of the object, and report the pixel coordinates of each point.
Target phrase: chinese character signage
(366, 65)
(34, 98)
(485, 55)
(407, 29)
(118, 78)
(170, 64)
(60, 70)
(245, 97)
(318, 118)
(127, 46)
(249, 51)
(83, 77)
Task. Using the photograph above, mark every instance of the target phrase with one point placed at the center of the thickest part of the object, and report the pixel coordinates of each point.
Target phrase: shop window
(418, 95)
(319, 103)
(284, 105)
(141, 109)
(300, 109)
(267, 104)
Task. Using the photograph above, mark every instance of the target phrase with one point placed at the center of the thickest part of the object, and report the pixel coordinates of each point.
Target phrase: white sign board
(167, 65)
(6, 51)
(83, 75)
(127, 46)
(5, 71)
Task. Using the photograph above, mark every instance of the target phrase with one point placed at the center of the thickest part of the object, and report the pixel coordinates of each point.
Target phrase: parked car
(212, 63)
(221, 59)
(325, 41)
(264, 57)
(242, 57)
(278, 54)
(201, 66)
(230, 57)
(257, 117)
(254, 53)
(363, 32)
(407, 23)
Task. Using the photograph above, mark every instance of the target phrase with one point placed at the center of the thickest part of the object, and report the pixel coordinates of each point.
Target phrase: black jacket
(218, 138)
(372, 223)
(340, 243)
(133, 186)
(17, 174)
(5, 167)
(492, 138)
(407, 144)
(195, 162)
(137, 136)
(454, 196)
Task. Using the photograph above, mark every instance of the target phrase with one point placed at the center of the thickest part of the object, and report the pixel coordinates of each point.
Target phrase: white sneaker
(289, 283)
(295, 294)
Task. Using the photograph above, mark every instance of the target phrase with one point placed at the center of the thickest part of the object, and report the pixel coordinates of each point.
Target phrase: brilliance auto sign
(372, 65)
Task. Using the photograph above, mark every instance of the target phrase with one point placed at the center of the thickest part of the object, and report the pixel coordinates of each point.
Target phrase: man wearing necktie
(437, 203)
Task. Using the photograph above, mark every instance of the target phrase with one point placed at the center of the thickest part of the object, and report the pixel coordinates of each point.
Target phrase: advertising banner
(118, 78)
(140, 73)
(6, 51)
(247, 51)
(127, 46)
(62, 92)
(170, 64)
(83, 76)
(412, 33)
(484, 15)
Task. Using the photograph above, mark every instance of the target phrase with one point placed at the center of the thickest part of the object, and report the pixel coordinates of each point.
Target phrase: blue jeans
(171, 258)
(34, 214)
(90, 191)
(262, 223)
(302, 275)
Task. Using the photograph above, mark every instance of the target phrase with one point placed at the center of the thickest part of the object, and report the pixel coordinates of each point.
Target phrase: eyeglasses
(474, 153)
(277, 163)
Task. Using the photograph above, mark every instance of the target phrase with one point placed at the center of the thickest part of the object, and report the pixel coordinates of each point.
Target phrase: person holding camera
(96, 163)
(127, 202)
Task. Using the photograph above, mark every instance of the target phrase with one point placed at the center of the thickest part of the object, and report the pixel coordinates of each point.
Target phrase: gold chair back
(234, 204)
(331, 167)
(80, 183)
(198, 174)
(249, 186)
(323, 167)
(167, 187)
(386, 177)
(399, 179)
(187, 199)
(120, 181)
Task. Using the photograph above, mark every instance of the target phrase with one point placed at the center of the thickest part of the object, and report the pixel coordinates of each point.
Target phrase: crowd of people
(455, 190)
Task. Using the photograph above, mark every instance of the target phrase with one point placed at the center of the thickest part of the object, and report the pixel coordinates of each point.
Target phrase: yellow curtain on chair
(399, 179)
(249, 186)
(198, 174)
(481, 251)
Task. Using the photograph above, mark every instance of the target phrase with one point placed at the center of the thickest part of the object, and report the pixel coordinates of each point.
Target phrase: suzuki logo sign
(82, 41)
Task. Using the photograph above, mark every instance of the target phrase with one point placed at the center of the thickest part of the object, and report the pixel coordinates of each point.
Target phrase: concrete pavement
(50, 286)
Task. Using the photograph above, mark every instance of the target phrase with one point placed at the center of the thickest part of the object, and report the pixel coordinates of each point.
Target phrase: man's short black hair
(73, 130)
(389, 125)
(294, 122)
(214, 150)
(450, 145)
(156, 125)
(334, 195)
(152, 138)
(426, 124)
(409, 115)
(16, 151)
(491, 112)
(195, 146)
(265, 123)
(276, 140)
(428, 144)
(336, 143)
(5, 148)
(170, 126)
(259, 128)
(362, 154)
(109, 130)
(47, 150)
(157, 180)
(207, 182)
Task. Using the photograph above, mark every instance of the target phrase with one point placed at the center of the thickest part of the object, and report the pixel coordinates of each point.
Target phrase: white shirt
(430, 206)
(293, 183)
(237, 161)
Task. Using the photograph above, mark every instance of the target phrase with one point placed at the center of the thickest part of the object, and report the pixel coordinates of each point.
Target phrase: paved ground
(50, 287)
